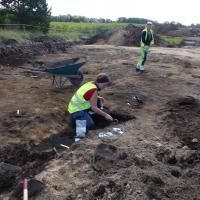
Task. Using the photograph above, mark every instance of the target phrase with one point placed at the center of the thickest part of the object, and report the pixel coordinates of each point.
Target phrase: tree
(35, 13)
(70, 18)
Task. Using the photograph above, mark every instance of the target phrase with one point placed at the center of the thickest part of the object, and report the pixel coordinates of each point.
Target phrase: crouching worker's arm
(93, 102)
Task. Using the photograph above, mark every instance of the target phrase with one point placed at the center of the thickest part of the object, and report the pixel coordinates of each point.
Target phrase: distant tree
(197, 25)
(32, 12)
(133, 20)
(70, 18)
(5, 17)
(168, 26)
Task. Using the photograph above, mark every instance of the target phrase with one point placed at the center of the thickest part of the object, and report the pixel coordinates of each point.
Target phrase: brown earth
(14, 54)
(184, 32)
(128, 36)
(158, 155)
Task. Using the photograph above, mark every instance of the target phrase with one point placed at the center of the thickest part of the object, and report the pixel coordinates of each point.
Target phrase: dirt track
(157, 156)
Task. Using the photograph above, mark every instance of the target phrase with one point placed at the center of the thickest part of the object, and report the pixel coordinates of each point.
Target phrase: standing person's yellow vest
(78, 103)
(145, 30)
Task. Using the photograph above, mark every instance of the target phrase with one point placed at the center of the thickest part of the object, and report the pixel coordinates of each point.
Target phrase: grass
(19, 35)
(12, 34)
(76, 31)
(172, 40)
(66, 30)
(73, 32)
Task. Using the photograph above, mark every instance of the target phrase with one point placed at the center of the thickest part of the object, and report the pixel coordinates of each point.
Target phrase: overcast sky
(183, 11)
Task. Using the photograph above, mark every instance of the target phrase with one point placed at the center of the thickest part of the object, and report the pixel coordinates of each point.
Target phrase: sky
(184, 11)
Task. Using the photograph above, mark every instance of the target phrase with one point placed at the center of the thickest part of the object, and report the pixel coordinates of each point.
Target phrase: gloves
(142, 44)
(152, 42)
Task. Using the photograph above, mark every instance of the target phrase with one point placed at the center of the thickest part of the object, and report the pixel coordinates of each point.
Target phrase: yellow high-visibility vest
(78, 103)
(152, 42)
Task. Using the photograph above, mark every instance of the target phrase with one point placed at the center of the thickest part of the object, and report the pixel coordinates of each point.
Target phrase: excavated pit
(119, 117)
(34, 158)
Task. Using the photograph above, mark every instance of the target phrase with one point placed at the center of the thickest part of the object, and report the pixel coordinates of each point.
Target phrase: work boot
(137, 69)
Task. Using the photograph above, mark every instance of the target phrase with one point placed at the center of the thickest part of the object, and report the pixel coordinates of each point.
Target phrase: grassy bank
(75, 31)
(18, 35)
(171, 40)
(69, 31)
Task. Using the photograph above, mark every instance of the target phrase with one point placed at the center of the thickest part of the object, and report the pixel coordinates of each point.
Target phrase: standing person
(147, 39)
(85, 100)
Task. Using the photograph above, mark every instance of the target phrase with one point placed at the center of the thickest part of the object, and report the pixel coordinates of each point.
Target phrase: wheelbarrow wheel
(77, 81)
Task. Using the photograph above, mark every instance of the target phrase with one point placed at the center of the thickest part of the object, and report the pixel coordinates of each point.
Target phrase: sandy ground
(157, 157)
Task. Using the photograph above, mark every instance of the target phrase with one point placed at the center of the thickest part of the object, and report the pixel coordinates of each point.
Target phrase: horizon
(186, 13)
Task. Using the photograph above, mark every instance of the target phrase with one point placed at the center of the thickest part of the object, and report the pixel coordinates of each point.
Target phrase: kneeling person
(85, 100)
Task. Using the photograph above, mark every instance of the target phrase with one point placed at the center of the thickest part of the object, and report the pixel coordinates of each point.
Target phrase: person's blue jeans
(85, 115)
(82, 115)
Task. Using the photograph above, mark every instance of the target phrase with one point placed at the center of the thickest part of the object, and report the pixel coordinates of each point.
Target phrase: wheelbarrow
(63, 71)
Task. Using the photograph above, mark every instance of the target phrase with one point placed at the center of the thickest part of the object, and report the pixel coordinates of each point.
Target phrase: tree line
(37, 13)
(31, 12)
(134, 20)
(75, 18)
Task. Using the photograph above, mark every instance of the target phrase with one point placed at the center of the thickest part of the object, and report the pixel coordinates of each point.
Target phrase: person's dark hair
(102, 78)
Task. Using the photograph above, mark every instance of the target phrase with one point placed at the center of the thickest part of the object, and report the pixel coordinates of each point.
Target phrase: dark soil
(33, 158)
(182, 120)
(15, 54)
(152, 159)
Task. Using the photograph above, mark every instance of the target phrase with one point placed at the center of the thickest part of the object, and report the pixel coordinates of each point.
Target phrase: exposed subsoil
(157, 157)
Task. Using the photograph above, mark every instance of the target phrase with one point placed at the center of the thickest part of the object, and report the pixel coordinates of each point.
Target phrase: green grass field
(76, 31)
(18, 35)
(172, 40)
(73, 32)
(66, 30)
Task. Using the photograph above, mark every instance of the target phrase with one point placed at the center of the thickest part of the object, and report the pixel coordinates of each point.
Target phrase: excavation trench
(33, 158)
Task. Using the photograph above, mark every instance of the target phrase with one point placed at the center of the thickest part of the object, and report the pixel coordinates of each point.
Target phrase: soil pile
(185, 33)
(15, 54)
(165, 28)
(128, 36)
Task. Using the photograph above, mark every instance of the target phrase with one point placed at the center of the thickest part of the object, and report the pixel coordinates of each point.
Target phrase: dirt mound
(128, 36)
(165, 28)
(182, 120)
(107, 157)
(185, 33)
(172, 30)
(14, 54)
